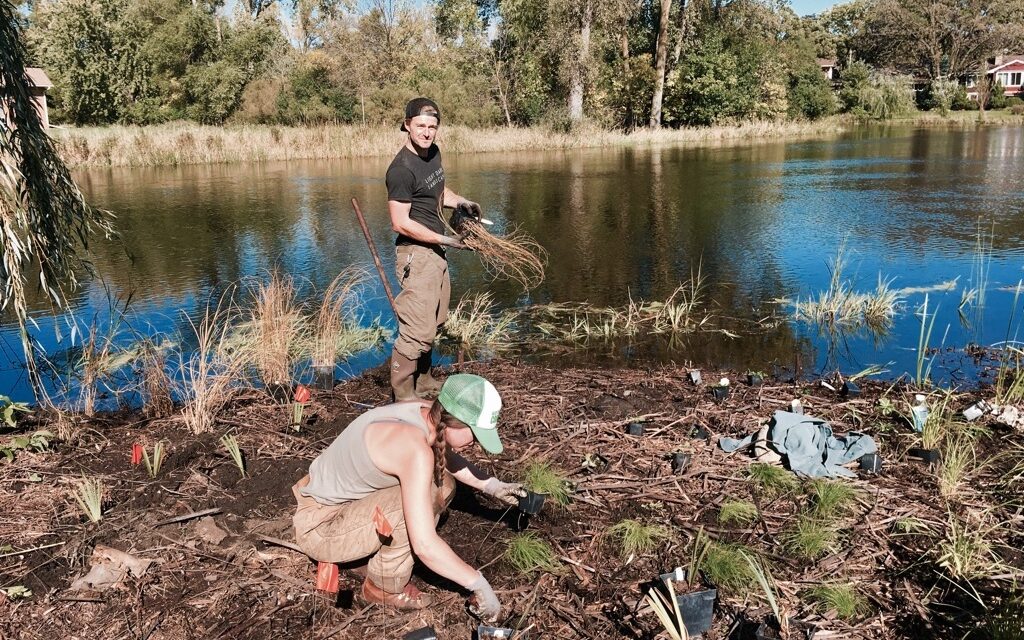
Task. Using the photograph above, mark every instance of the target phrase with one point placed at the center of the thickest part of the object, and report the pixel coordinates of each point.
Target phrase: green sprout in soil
(725, 566)
(635, 538)
(830, 498)
(740, 512)
(153, 464)
(910, 525)
(527, 553)
(772, 480)
(89, 495)
(844, 599)
(231, 444)
(541, 478)
(809, 537)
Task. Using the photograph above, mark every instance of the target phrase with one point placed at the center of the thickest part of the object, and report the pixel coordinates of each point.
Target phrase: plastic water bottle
(919, 412)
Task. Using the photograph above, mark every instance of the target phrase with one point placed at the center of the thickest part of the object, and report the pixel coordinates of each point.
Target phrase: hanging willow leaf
(44, 220)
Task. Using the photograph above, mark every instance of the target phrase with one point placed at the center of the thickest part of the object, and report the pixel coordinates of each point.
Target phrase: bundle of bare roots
(514, 256)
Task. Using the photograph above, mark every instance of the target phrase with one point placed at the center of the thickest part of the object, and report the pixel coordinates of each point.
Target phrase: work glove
(473, 209)
(454, 243)
(483, 603)
(507, 492)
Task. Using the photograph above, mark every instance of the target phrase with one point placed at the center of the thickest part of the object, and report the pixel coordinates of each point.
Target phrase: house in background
(828, 67)
(1007, 70)
(38, 83)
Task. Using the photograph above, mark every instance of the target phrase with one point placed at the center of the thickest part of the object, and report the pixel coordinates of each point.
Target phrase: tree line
(617, 63)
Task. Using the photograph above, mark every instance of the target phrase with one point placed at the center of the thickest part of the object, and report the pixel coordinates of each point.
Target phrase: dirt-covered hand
(473, 208)
(507, 492)
(454, 243)
(483, 603)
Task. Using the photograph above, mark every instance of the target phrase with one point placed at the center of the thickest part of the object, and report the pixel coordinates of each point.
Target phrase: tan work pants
(422, 306)
(347, 532)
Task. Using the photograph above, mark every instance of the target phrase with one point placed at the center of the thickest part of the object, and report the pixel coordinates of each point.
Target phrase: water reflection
(761, 222)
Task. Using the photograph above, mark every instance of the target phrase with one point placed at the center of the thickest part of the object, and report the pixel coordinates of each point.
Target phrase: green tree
(44, 219)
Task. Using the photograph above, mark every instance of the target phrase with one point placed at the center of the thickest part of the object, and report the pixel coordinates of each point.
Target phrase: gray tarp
(809, 445)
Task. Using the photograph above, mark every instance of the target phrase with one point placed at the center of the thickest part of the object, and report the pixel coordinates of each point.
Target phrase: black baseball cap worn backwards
(421, 107)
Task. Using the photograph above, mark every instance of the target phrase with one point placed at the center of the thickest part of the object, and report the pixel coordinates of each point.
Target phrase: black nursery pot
(323, 378)
(635, 428)
(720, 393)
(929, 456)
(695, 376)
(871, 463)
(426, 633)
(280, 391)
(849, 389)
(679, 462)
(754, 379)
(696, 607)
(700, 432)
(531, 503)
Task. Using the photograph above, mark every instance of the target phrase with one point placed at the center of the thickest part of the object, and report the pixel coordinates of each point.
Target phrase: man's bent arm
(452, 199)
(403, 224)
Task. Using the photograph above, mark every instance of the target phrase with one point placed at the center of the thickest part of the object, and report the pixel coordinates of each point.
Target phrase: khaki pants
(422, 306)
(346, 532)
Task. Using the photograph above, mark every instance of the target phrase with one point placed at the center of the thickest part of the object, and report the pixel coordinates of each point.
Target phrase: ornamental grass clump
(527, 553)
(274, 328)
(830, 498)
(335, 319)
(157, 394)
(726, 567)
(843, 599)
(772, 480)
(739, 512)
(208, 374)
(540, 477)
(636, 538)
(809, 537)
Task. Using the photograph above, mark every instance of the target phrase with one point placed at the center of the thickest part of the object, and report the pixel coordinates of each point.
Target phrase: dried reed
(157, 399)
(474, 324)
(275, 324)
(207, 375)
(334, 318)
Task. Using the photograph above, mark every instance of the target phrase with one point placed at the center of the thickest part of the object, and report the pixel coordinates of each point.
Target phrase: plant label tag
(136, 453)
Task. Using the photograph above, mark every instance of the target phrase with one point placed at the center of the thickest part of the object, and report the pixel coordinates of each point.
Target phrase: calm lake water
(763, 221)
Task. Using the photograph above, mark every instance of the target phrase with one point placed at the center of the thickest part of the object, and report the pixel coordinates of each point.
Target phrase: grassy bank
(187, 143)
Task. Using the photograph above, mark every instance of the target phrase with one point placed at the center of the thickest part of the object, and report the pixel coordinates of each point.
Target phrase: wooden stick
(188, 516)
(376, 256)
(23, 551)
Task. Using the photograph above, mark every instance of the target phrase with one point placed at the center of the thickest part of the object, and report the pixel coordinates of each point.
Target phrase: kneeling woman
(380, 487)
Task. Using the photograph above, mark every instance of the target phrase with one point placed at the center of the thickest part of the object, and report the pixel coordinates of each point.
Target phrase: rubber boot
(403, 371)
(426, 385)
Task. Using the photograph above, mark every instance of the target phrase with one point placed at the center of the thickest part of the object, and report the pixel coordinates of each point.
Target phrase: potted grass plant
(720, 391)
(687, 609)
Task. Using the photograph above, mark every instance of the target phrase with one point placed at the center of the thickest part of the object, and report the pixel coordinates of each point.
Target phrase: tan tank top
(344, 471)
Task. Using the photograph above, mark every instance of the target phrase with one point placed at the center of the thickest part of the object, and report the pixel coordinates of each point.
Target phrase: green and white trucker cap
(476, 402)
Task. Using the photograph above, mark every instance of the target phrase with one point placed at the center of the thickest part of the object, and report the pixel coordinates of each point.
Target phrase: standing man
(416, 197)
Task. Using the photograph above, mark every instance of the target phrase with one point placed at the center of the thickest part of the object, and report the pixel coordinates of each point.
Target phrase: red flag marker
(136, 453)
(384, 528)
(302, 394)
(327, 577)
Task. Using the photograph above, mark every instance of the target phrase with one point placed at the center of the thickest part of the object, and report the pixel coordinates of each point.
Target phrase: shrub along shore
(188, 143)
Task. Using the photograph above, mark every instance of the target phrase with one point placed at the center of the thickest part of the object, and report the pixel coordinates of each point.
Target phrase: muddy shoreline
(242, 586)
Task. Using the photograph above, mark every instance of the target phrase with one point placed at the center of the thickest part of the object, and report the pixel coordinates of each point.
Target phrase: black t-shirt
(419, 181)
